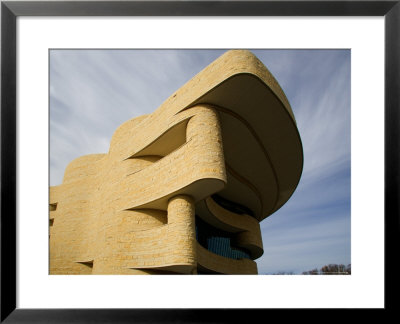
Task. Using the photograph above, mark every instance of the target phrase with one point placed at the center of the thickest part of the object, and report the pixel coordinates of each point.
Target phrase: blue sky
(92, 92)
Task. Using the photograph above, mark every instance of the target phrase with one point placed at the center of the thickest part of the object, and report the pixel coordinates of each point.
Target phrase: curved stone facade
(182, 190)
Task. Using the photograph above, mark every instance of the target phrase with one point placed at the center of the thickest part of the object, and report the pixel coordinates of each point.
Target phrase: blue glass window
(218, 241)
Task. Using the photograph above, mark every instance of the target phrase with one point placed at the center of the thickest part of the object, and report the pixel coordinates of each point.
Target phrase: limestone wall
(132, 210)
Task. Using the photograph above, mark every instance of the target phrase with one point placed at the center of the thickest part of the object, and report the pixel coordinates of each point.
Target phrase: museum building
(183, 190)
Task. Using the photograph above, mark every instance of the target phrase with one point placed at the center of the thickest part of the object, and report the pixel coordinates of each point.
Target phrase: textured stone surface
(132, 210)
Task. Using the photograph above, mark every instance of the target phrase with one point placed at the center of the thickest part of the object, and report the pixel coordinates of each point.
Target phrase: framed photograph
(337, 62)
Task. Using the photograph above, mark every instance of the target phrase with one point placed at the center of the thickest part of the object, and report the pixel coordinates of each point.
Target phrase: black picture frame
(10, 10)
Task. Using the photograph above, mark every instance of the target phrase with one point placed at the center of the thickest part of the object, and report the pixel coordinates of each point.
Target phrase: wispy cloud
(317, 84)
